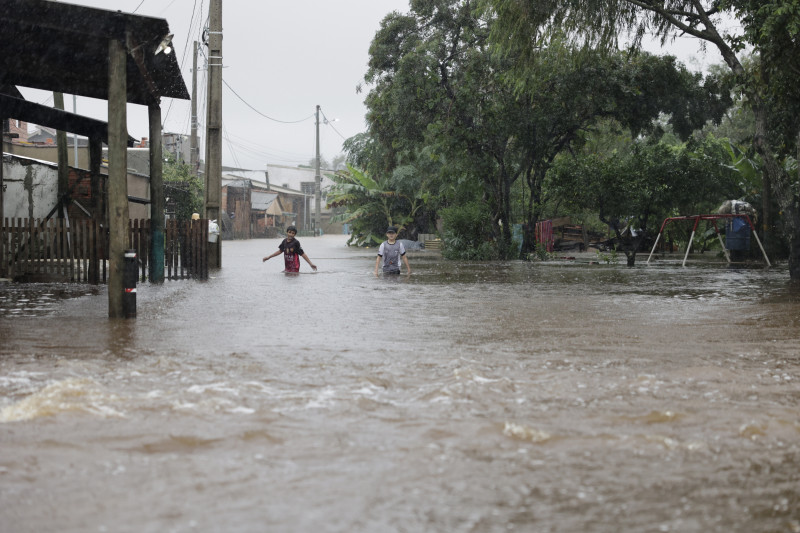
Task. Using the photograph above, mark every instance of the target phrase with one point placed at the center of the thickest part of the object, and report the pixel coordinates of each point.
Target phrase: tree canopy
(443, 94)
(771, 27)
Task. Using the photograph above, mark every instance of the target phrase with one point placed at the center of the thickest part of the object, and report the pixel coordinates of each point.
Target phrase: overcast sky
(282, 58)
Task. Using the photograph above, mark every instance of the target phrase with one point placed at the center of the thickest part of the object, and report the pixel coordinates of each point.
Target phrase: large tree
(771, 26)
(439, 85)
(439, 92)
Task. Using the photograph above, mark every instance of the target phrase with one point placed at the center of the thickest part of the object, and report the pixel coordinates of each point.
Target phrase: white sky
(283, 58)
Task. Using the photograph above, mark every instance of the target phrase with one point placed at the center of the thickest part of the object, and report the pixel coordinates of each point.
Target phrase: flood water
(467, 397)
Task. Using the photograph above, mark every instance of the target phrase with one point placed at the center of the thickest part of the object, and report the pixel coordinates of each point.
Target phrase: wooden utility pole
(156, 194)
(317, 186)
(193, 163)
(213, 181)
(63, 154)
(117, 174)
(2, 184)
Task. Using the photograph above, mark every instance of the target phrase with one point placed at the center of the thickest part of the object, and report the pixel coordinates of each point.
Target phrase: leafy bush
(466, 234)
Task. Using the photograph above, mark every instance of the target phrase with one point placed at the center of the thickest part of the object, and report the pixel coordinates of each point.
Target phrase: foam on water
(72, 395)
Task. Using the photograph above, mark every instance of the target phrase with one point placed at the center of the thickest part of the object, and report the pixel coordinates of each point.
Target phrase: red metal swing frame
(713, 219)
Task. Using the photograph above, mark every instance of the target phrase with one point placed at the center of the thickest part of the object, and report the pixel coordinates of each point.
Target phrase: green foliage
(540, 253)
(371, 204)
(648, 181)
(610, 257)
(467, 234)
(181, 188)
(446, 104)
(770, 27)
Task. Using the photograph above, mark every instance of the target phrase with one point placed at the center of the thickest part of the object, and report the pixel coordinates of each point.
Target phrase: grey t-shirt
(391, 254)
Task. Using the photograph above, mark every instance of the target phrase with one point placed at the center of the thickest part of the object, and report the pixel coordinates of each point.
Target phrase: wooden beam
(55, 118)
(156, 196)
(117, 176)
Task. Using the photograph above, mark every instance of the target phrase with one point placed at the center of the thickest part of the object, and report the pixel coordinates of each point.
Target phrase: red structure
(713, 218)
(544, 234)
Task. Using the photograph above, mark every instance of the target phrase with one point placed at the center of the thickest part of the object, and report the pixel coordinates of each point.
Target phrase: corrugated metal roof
(262, 200)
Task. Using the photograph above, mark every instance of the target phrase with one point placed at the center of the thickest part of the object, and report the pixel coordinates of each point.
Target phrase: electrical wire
(265, 154)
(262, 114)
(185, 49)
(329, 123)
(230, 146)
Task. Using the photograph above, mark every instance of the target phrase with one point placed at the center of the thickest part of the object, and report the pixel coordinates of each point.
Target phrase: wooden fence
(186, 249)
(76, 251)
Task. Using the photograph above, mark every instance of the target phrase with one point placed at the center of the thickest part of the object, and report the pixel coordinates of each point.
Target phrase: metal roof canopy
(713, 218)
(62, 47)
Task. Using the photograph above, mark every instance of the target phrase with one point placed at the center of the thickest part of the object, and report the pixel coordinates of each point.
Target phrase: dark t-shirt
(292, 251)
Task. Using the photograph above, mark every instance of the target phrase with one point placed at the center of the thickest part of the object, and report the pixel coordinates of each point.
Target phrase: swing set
(713, 218)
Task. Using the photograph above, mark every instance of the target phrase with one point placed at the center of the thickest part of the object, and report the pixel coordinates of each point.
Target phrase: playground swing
(713, 219)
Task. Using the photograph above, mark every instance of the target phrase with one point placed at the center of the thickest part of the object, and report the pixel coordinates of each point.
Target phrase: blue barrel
(737, 234)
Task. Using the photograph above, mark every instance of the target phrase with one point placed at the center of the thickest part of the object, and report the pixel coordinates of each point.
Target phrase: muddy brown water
(467, 397)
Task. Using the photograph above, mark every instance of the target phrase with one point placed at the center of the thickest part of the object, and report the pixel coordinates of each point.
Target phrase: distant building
(15, 129)
(32, 189)
(297, 183)
(179, 145)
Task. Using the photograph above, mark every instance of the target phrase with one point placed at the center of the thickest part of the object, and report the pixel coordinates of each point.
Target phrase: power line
(264, 153)
(329, 123)
(262, 114)
(230, 146)
(185, 49)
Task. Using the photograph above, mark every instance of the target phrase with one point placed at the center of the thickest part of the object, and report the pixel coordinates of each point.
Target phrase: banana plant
(371, 205)
(363, 202)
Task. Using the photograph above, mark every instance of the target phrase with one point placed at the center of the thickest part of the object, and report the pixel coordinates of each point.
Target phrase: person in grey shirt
(390, 254)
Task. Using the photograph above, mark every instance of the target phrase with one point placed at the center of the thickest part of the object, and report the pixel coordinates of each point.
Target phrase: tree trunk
(794, 247)
(780, 183)
(794, 244)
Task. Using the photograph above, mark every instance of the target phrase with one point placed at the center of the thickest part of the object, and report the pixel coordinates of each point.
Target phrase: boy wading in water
(390, 253)
(292, 252)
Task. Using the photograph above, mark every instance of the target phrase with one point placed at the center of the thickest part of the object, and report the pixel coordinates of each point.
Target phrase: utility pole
(156, 193)
(63, 161)
(117, 175)
(3, 120)
(193, 142)
(213, 179)
(317, 184)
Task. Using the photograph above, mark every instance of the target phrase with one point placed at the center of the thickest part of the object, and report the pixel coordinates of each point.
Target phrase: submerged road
(467, 397)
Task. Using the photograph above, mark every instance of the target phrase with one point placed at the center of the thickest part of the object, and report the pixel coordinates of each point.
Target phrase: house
(60, 47)
(15, 129)
(42, 135)
(32, 189)
(295, 187)
(253, 209)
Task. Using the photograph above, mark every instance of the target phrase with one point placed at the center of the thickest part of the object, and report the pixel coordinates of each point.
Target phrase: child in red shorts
(292, 252)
